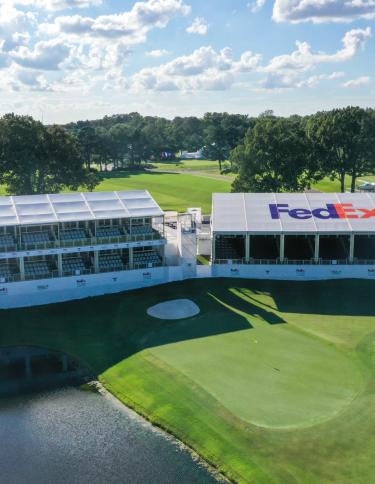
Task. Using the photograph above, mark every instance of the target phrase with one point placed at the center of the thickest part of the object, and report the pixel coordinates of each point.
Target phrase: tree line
(269, 153)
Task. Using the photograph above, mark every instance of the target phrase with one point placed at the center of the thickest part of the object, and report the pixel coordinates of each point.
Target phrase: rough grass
(213, 380)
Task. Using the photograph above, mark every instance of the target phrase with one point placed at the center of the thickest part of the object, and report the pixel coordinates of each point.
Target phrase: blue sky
(64, 60)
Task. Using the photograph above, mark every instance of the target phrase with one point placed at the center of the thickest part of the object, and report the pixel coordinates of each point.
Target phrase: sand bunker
(176, 309)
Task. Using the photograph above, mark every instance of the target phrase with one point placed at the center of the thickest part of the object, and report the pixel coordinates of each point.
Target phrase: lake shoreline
(100, 388)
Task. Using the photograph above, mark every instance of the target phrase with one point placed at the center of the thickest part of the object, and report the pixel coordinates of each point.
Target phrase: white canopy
(293, 213)
(73, 207)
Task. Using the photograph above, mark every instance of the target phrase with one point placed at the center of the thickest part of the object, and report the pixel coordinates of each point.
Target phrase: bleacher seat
(5, 271)
(35, 237)
(226, 248)
(74, 234)
(6, 240)
(105, 232)
(141, 230)
(109, 262)
(37, 268)
(73, 264)
(146, 258)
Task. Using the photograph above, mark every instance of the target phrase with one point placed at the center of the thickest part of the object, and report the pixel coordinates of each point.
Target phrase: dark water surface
(72, 436)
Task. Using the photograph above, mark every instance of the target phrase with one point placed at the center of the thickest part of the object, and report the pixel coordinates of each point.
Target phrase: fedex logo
(330, 211)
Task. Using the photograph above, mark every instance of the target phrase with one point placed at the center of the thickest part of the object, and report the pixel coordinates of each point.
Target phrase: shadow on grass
(128, 173)
(103, 331)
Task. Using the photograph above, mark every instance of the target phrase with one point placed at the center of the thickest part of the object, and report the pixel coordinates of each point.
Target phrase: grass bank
(272, 382)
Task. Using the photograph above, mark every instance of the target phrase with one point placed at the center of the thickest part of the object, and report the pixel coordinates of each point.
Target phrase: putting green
(272, 376)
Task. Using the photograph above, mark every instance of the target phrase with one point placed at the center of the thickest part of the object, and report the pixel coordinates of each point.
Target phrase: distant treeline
(269, 153)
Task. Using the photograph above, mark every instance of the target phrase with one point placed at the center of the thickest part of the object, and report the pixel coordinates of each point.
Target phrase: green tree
(272, 157)
(343, 143)
(35, 159)
(223, 132)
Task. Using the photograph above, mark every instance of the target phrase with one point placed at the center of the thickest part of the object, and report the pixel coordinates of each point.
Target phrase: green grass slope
(171, 191)
(272, 382)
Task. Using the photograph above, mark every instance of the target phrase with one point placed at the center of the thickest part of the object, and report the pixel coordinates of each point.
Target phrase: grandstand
(56, 236)
(314, 228)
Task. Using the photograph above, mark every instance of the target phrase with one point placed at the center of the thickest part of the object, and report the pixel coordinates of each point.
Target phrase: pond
(75, 436)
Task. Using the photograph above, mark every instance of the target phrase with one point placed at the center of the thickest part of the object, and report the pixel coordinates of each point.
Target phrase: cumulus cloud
(199, 26)
(317, 11)
(46, 55)
(303, 58)
(53, 5)
(132, 26)
(204, 69)
(360, 81)
(275, 81)
(157, 53)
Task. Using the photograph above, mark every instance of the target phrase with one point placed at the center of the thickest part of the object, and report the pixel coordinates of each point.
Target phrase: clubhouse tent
(325, 228)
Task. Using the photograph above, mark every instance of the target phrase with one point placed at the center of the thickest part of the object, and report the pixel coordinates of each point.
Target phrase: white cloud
(204, 69)
(53, 5)
(304, 58)
(297, 11)
(199, 26)
(360, 81)
(256, 5)
(46, 55)
(157, 53)
(276, 81)
(131, 26)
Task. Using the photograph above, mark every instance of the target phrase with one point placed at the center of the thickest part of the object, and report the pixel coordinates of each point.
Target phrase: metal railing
(89, 241)
(294, 262)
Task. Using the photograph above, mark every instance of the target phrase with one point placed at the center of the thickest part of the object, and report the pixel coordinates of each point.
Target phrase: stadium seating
(146, 258)
(5, 271)
(73, 264)
(36, 269)
(229, 248)
(35, 237)
(74, 234)
(106, 232)
(110, 262)
(142, 230)
(6, 240)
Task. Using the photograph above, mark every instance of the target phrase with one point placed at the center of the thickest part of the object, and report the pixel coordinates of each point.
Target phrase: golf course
(270, 382)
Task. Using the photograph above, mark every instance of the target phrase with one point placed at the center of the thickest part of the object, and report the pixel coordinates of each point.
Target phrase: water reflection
(71, 436)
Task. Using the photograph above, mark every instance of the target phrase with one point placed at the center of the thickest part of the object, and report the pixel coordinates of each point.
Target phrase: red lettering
(367, 213)
(346, 210)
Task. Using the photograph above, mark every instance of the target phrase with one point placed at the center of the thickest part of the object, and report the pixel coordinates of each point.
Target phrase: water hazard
(75, 436)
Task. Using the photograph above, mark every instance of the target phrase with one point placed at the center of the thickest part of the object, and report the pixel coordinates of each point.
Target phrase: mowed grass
(272, 382)
(171, 191)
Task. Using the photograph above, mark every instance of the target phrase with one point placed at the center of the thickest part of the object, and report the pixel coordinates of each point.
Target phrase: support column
(22, 268)
(131, 258)
(351, 249)
(317, 248)
(213, 250)
(282, 248)
(59, 264)
(96, 261)
(247, 248)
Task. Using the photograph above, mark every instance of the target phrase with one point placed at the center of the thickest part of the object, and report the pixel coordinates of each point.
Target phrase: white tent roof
(251, 212)
(72, 207)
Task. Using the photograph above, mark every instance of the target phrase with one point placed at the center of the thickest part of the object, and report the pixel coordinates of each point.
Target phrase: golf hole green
(269, 376)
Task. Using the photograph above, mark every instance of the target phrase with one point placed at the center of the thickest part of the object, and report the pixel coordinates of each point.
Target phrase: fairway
(171, 191)
(271, 382)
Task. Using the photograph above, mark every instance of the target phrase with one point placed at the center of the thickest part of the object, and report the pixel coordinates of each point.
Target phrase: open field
(171, 191)
(272, 382)
(327, 185)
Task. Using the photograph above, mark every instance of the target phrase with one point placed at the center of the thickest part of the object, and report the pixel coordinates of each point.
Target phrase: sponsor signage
(330, 211)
